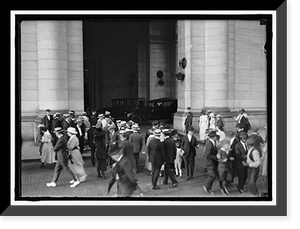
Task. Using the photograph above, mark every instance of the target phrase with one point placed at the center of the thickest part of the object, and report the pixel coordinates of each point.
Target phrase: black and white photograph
(145, 108)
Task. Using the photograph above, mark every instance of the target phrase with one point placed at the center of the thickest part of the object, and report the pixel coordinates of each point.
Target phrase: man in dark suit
(90, 136)
(47, 120)
(137, 140)
(258, 140)
(170, 155)
(243, 121)
(155, 125)
(122, 172)
(80, 129)
(211, 161)
(156, 154)
(188, 119)
(126, 146)
(233, 140)
(241, 155)
(60, 149)
(189, 145)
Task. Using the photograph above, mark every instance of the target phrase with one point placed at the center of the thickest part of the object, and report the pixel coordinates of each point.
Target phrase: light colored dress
(203, 126)
(48, 154)
(212, 123)
(76, 162)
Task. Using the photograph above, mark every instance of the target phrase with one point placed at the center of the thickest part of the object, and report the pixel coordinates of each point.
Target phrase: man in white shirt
(253, 161)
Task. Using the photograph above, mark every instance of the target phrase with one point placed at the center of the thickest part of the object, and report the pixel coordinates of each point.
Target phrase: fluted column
(52, 65)
(216, 64)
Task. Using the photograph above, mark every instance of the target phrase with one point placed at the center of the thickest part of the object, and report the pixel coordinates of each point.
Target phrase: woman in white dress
(76, 162)
(203, 125)
(48, 155)
(212, 122)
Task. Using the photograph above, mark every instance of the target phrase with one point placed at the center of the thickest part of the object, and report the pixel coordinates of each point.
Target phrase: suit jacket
(60, 149)
(47, 122)
(127, 150)
(90, 136)
(210, 155)
(137, 141)
(99, 140)
(241, 155)
(156, 152)
(242, 123)
(170, 150)
(185, 145)
(189, 119)
(126, 182)
(56, 123)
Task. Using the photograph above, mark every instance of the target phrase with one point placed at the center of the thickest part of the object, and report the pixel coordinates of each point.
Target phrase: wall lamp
(160, 75)
(182, 65)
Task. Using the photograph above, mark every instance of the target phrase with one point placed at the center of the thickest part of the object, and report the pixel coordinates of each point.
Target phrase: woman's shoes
(75, 183)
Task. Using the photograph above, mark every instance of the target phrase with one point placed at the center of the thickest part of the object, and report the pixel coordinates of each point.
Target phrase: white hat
(72, 130)
(135, 126)
(157, 132)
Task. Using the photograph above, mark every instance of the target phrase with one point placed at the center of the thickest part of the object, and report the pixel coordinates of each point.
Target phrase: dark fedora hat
(114, 149)
(190, 128)
(212, 134)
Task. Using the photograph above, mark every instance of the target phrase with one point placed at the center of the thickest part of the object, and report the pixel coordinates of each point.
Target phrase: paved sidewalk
(34, 179)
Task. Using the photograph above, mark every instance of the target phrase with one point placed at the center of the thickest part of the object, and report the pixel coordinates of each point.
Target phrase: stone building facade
(75, 65)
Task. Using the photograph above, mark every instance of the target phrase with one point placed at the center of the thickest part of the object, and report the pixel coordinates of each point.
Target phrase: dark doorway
(111, 60)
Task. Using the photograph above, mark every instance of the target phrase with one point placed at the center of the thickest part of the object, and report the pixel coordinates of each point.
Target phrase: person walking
(101, 150)
(156, 154)
(122, 172)
(137, 141)
(170, 156)
(127, 146)
(203, 126)
(47, 120)
(188, 119)
(75, 162)
(48, 154)
(211, 161)
(233, 140)
(80, 129)
(223, 165)
(253, 163)
(241, 155)
(90, 136)
(60, 149)
(148, 164)
(189, 145)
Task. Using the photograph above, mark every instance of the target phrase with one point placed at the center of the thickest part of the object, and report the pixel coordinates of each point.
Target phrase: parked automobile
(120, 107)
(156, 109)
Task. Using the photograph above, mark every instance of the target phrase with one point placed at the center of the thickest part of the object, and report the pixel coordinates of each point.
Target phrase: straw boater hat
(135, 126)
(157, 132)
(223, 142)
(58, 130)
(71, 130)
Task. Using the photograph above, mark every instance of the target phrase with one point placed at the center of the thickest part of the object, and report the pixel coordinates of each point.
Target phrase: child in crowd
(223, 165)
(178, 159)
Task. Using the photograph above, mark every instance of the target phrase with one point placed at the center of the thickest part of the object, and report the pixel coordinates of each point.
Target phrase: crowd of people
(118, 144)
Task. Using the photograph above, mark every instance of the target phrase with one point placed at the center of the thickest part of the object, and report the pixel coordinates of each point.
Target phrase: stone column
(75, 66)
(52, 65)
(216, 64)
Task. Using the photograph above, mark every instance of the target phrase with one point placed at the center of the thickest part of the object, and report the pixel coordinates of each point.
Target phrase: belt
(76, 147)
